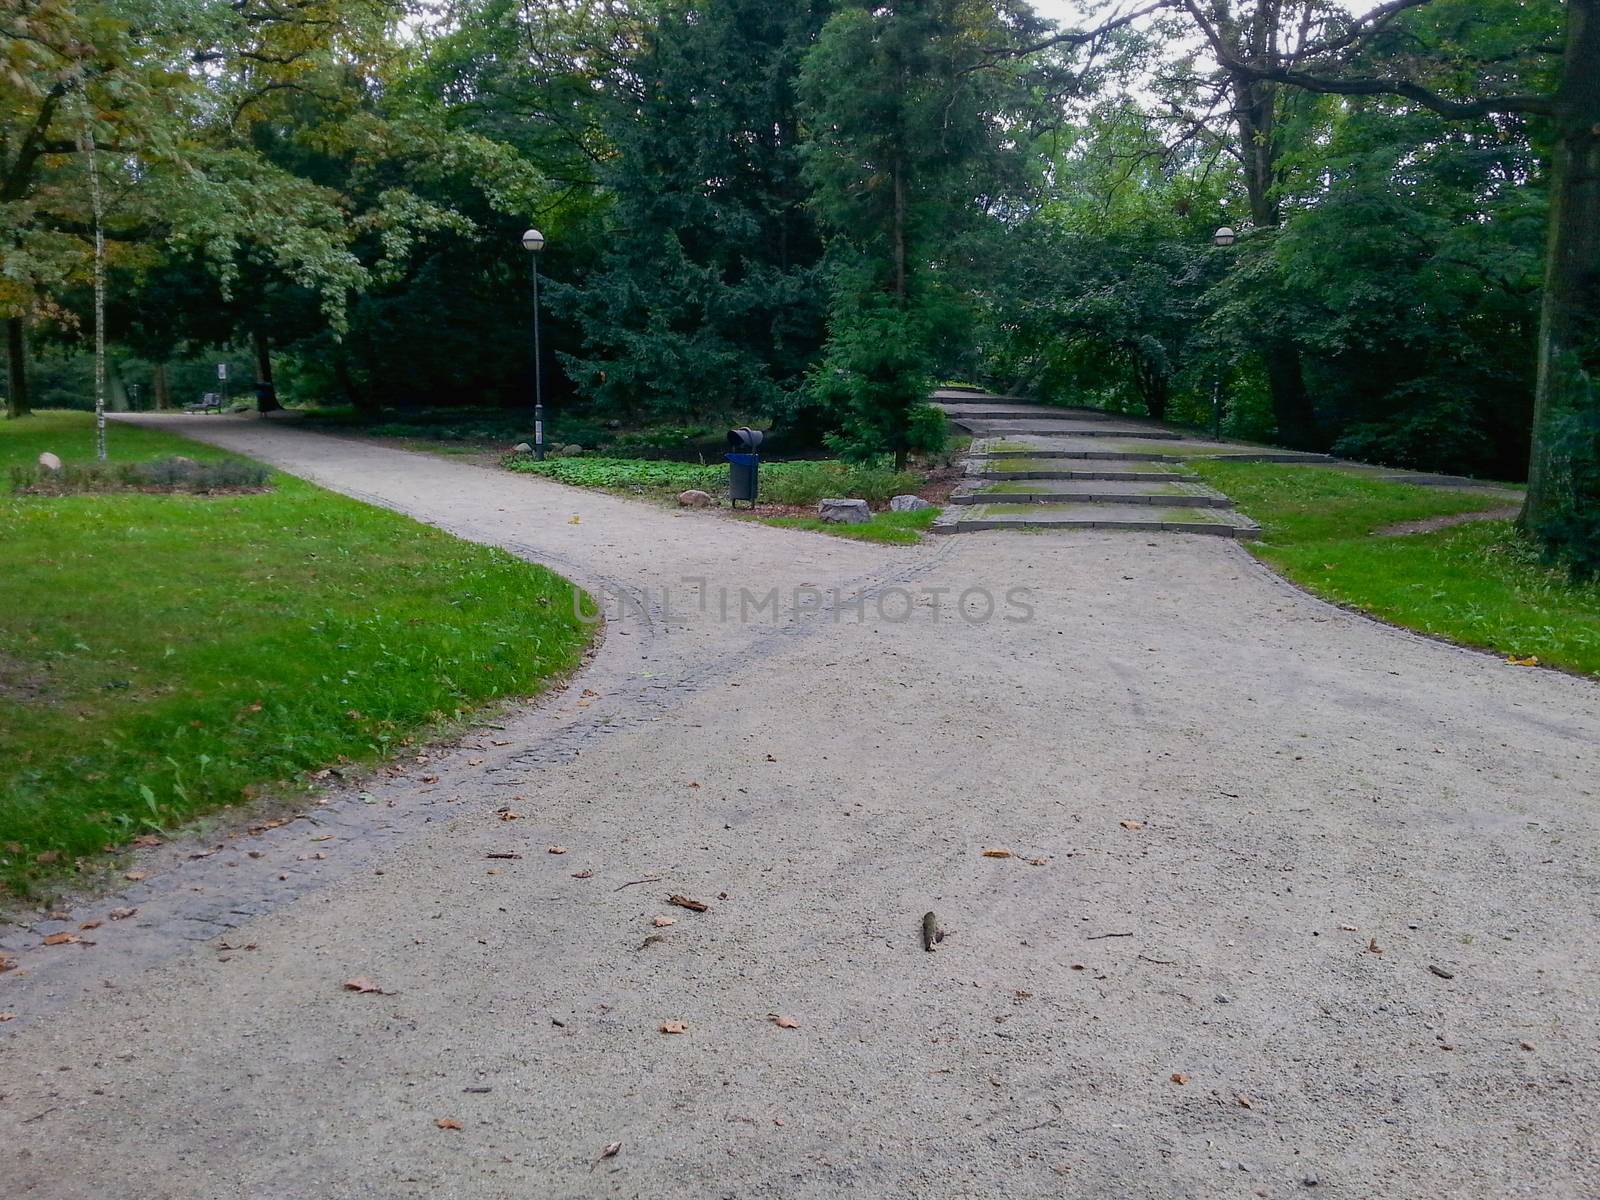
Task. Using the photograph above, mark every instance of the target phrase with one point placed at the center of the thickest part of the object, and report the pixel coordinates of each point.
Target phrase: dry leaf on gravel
(997, 853)
(1244, 1101)
(1373, 947)
(507, 815)
(1179, 1077)
(8, 1016)
(1526, 1045)
(663, 922)
(611, 1150)
(448, 1123)
(7, 964)
(122, 914)
(91, 925)
(62, 939)
(363, 985)
(1531, 661)
(134, 876)
(583, 874)
(783, 1022)
(686, 902)
(146, 840)
(1131, 824)
(674, 1027)
(555, 849)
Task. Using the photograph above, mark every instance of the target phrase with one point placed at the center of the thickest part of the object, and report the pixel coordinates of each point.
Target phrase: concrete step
(1180, 494)
(999, 449)
(1011, 470)
(1033, 427)
(1143, 518)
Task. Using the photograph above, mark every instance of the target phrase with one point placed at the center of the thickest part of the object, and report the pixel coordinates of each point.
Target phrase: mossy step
(1144, 518)
(1012, 469)
(1177, 494)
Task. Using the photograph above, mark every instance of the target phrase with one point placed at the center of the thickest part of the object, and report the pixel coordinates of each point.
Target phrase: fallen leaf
(686, 902)
(1348, 928)
(1131, 824)
(62, 939)
(363, 985)
(1441, 972)
(1038, 862)
(1373, 947)
(507, 815)
(91, 925)
(583, 874)
(448, 1123)
(7, 964)
(783, 1022)
(1531, 661)
(1526, 1045)
(611, 1151)
(146, 840)
(134, 876)
(555, 849)
(663, 922)
(997, 853)
(1179, 1077)
(1244, 1102)
(574, 520)
(323, 837)
(121, 914)
(4, 1017)
(674, 1027)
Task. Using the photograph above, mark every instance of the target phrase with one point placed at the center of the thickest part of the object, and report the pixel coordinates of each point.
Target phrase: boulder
(571, 451)
(844, 512)
(522, 448)
(908, 504)
(694, 498)
(49, 461)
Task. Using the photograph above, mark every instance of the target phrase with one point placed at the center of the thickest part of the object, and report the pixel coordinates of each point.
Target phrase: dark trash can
(744, 464)
(742, 477)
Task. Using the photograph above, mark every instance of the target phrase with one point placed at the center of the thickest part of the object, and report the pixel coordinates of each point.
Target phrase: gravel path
(1258, 823)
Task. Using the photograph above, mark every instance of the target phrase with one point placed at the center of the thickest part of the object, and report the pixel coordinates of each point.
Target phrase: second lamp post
(533, 242)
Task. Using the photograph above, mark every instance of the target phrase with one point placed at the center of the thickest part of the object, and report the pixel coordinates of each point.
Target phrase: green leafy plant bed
(162, 656)
(1478, 583)
(174, 474)
(781, 482)
(888, 528)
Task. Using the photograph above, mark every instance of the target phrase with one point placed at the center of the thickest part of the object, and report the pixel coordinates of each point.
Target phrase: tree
(710, 279)
(907, 113)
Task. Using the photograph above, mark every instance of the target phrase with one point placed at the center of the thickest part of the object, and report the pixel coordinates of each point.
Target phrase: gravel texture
(1258, 822)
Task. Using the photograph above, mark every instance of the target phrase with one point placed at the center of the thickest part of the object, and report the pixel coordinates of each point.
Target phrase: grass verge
(799, 482)
(1478, 583)
(885, 528)
(162, 656)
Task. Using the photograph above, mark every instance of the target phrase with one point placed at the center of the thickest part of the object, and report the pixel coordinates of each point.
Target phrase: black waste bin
(744, 464)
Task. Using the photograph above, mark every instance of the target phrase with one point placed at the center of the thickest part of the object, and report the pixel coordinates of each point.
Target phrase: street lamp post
(1223, 237)
(533, 242)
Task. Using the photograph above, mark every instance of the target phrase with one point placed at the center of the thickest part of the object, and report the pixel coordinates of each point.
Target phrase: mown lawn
(164, 656)
(1477, 583)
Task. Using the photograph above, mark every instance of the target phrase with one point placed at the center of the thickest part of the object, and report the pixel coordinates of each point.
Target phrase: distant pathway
(1258, 823)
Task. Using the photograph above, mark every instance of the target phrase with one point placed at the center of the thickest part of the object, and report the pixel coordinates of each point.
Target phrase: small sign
(222, 370)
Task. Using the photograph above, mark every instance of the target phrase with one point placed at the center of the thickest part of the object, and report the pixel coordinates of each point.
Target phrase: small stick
(1095, 937)
(1160, 962)
(632, 882)
(504, 854)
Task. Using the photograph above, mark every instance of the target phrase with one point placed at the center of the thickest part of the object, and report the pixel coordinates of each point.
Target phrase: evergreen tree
(709, 295)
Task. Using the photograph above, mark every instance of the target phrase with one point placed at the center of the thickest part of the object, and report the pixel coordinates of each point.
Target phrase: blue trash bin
(743, 482)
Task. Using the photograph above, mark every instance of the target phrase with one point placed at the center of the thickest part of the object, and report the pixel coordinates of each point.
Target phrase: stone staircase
(1037, 467)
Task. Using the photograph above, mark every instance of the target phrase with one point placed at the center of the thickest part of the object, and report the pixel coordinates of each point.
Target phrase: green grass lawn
(1478, 583)
(163, 656)
(886, 528)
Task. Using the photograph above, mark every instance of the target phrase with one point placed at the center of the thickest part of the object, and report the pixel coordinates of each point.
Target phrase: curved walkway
(1258, 824)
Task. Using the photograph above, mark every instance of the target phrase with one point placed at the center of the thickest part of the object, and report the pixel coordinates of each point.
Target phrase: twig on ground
(1095, 937)
(633, 882)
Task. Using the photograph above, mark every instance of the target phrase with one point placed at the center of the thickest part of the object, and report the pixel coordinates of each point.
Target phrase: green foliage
(162, 656)
(781, 482)
(874, 381)
(886, 529)
(175, 474)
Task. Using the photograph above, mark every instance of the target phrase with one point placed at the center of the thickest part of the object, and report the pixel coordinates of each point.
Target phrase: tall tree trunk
(899, 234)
(1563, 505)
(1255, 111)
(162, 388)
(17, 404)
(266, 390)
